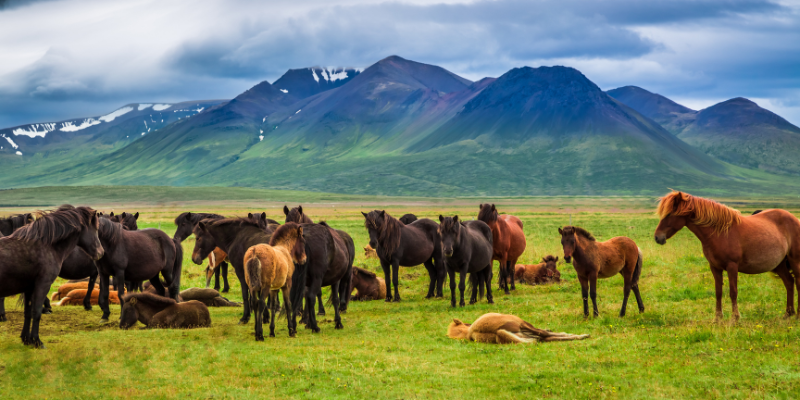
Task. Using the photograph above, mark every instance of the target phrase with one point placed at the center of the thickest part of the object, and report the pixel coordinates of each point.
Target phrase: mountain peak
(416, 74)
(306, 82)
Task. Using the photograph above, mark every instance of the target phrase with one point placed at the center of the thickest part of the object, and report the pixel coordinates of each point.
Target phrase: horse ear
(250, 215)
(264, 216)
(441, 218)
(556, 258)
(188, 215)
(493, 208)
(30, 218)
(560, 232)
(480, 207)
(136, 216)
(365, 215)
(132, 301)
(300, 208)
(457, 322)
(286, 210)
(383, 212)
(124, 215)
(111, 215)
(455, 218)
(202, 226)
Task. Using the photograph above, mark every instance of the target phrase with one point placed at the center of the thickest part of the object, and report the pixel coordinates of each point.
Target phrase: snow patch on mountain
(284, 91)
(14, 145)
(70, 126)
(19, 153)
(35, 130)
(115, 114)
(161, 107)
(144, 106)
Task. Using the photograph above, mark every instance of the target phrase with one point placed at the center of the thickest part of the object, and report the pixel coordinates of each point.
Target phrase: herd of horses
(299, 257)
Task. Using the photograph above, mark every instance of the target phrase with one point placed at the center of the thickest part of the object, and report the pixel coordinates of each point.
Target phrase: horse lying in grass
(269, 268)
(367, 284)
(155, 311)
(537, 274)
(64, 289)
(209, 297)
(505, 329)
(593, 260)
(77, 297)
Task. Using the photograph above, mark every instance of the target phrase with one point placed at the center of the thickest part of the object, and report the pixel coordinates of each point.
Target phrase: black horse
(408, 218)
(137, 256)
(467, 248)
(127, 220)
(186, 223)
(296, 215)
(329, 262)
(407, 245)
(7, 226)
(234, 236)
(31, 257)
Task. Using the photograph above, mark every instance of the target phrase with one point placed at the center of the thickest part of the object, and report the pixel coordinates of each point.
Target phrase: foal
(269, 268)
(595, 259)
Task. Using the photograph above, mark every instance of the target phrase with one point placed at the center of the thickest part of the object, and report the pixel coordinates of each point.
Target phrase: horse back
(190, 314)
(418, 242)
(245, 238)
(615, 254)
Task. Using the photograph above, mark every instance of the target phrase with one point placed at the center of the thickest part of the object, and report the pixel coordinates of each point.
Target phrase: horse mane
(448, 223)
(365, 272)
(110, 231)
(488, 213)
(388, 232)
(704, 212)
(580, 231)
(287, 232)
(196, 217)
(150, 299)
(52, 227)
(240, 221)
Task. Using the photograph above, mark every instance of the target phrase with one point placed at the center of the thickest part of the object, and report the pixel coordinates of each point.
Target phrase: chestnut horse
(767, 241)
(593, 259)
(508, 241)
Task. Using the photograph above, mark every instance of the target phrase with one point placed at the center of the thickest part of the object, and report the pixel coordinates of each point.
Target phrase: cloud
(94, 55)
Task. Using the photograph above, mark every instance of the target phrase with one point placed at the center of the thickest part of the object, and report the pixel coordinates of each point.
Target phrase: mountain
(740, 132)
(669, 114)
(306, 82)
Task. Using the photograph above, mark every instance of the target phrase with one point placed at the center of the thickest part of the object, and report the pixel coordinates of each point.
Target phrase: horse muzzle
(568, 259)
(661, 239)
(448, 253)
(99, 253)
(196, 258)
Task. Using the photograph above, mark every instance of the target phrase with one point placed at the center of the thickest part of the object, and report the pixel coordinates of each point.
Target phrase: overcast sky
(72, 58)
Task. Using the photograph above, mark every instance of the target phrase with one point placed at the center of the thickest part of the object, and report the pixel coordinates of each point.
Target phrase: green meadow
(674, 349)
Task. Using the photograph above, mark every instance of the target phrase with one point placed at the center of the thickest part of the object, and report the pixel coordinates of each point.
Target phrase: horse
(162, 312)
(269, 268)
(186, 223)
(408, 218)
(209, 297)
(369, 252)
(767, 241)
(330, 254)
(467, 248)
(593, 259)
(68, 287)
(137, 256)
(544, 272)
(7, 226)
(216, 259)
(505, 329)
(31, 257)
(78, 297)
(508, 241)
(367, 284)
(408, 245)
(127, 220)
(296, 215)
(234, 236)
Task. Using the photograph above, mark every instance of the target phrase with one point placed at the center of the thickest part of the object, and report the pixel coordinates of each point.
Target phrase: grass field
(673, 350)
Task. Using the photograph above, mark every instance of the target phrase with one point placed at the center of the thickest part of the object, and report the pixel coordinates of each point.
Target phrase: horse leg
(506, 272)
(441, 272)
(256, 302)
(46, 308)
(321, 310)
(627, 278)
(487, 280)
(121, 288)
(3, 309)
(510, 268)
(26, 325)
(718, 289)
(786, 277)
(433, 277)
(462, 276)
(245, 296)
(217, 272)
(396, 280)
(289, 311)
(274, 296)
(39, 294)
(452, 273)
(593, 292)
(224, 268)
(387, 273)
(337, 318)
(87, 301)
(311, 300)
(501, 275)
(733, 281)
(102, 298)
(585, 294)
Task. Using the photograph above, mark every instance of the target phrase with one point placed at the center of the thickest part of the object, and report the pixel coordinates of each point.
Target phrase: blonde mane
(704, 212)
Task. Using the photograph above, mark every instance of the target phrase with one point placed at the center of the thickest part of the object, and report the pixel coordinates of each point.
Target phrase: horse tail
(638, 271)
(298, 290)
(252, 272)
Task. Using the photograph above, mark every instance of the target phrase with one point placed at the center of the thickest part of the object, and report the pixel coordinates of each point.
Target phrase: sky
(64, 59)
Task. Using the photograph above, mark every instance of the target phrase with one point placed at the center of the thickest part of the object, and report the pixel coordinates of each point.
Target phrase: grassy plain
(673, 350)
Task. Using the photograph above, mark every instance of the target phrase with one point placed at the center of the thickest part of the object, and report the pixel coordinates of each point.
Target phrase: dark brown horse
(592, 260)
(508, 240)
(185, 224)
(467, 248)
(162, 312)
(137, 256)
(128, 220)
(296, 215)
(767, 241)
(234, 236)
(31, 257)
(408, 218)
(407, 245)
(9, 224)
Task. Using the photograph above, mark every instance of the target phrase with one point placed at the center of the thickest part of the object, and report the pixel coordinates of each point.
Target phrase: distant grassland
(673, 350)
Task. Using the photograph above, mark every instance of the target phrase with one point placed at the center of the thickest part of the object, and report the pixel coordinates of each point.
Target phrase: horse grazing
(234, 236)
(408, 218)
(536, 274)
(467, 248)
(508, 241)
(77, 297)
(367, 284)
(31, 257)
(505, 329)
(162, 312)
(268, 269)
(767, 241)
(137, 256)
(296, 215)
(186, 223)
(593, 259)
(209, 297)
(408, 245)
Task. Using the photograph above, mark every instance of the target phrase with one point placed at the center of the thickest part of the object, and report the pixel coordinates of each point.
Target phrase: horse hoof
(47, 311)
(315, 330)
(87, 308)
(38, 344)
(322, 313)
(339, 326)
(388, 300)
(490, 301)
(259, 338)
(3, 318)
(103, 321)
(641, 310)
(397, 300)
(271, 335)
(429, 296)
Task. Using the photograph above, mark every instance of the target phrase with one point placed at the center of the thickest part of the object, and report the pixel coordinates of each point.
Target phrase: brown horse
(508, 241)
(767, 241)
(207, 296)
(269, 268)
(536, 274)
(76, 298)
(296, 215)
(155, 311)
(367, 284)
(593, 259)
(505, 329)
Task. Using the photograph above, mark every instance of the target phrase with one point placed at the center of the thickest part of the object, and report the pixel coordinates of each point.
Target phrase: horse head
(129, 315)
(568, 242)
(204, 243)
(374, 223)
(450, 231)
(674, 212)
